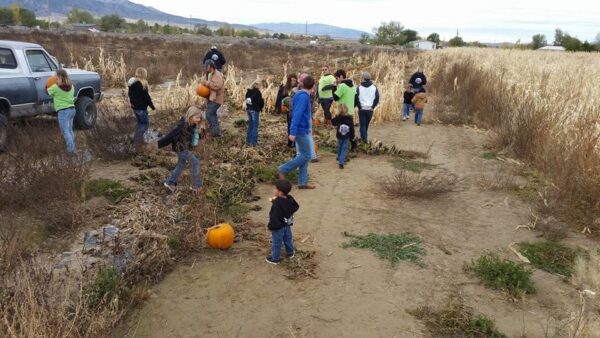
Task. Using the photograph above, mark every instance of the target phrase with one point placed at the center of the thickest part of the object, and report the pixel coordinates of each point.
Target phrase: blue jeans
(182, 159)
(326, 105)
(342, 150)
(303, 149)
(282, 235)
(142, 126)
(313, 151)
(253, 122)
(364, 117)
(406, 107)
(418, 116)
(213, 119)
(65, 122)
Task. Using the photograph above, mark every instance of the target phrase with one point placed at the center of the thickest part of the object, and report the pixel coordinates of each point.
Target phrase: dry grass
(542, 107)
(404, 184)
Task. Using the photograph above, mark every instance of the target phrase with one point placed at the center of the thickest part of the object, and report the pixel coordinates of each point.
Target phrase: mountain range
(133, 11)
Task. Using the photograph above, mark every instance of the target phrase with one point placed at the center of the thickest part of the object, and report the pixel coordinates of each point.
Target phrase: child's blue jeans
(406, 110)
(253, 122)
(418, 116)
(342, 150)
(182, 159)
(282, 235)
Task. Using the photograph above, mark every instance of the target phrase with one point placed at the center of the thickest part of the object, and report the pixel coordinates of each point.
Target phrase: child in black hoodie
(254, 105)
(182, 139)
(140, 100)
(344, 133)
(281, 218)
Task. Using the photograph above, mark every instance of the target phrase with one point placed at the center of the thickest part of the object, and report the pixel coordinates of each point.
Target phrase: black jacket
(366, 84)
(348, 82)
(282, 212)
(255, 95)
(138, 96)
(413, 79)
(220, 59)
(408, 96)
(180, 138)
(343, 120)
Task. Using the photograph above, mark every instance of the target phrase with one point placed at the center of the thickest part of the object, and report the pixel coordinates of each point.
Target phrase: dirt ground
(355, 294)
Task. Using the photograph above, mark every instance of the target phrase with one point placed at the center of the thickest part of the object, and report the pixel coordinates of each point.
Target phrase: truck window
(39, 62)
(7, 59)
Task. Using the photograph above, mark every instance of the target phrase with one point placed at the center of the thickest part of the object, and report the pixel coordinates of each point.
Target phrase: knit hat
(210, 62)
(366, 76)
(284, 186)
(193, 111)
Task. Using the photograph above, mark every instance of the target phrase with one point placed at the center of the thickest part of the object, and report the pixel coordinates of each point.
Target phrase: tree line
(393, 33)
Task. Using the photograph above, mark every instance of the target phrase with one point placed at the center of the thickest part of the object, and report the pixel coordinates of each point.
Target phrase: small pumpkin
(52, 80)
(285, 105)
(202, 90)
(220, 236)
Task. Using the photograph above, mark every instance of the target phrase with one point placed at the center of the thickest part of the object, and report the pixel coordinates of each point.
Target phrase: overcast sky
(483, 20)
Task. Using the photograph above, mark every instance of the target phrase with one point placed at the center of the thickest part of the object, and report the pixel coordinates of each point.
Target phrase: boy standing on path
(367, 98)
(325, 93)
(214, 81)
(419, 101)
(281, 219)
(407, 105)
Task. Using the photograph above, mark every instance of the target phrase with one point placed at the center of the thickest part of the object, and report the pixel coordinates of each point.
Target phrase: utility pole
(306, 30)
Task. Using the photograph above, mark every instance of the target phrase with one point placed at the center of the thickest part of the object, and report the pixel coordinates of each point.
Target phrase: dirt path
(355, 294)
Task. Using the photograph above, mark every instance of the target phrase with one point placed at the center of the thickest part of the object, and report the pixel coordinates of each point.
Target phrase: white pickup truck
(24, 70)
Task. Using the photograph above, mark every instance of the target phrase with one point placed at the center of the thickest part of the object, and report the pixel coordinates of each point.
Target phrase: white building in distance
(423, 45)
(553, 48)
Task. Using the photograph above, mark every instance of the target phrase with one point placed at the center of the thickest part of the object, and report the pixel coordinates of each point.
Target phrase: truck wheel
(3, 132)
(85, 118)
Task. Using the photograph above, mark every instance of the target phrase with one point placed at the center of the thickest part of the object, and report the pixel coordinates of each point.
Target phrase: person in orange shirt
(419, 100)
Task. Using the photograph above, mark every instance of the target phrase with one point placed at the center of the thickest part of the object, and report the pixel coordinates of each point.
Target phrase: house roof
(555, 48)
(420, 41)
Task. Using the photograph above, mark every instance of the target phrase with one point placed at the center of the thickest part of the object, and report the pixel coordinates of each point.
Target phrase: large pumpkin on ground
(202, 90)
(51, 81)
(220, 236)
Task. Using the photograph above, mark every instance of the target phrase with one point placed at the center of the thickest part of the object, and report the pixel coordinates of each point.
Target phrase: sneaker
(292, 255)
(315, 160)
(307, 186)
(341, 166)
(169, 187)
(270, 260)
(404, 119)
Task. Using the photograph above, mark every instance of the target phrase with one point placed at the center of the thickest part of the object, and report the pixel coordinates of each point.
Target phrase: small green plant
(237, 212)
(393, 247)
(268, 174)
(550, 256)
(411, 165)
(239, 123)
(174, 242)
(104, 286)
(490, 155)
(502, 274)
(455, 319)
(112, 190)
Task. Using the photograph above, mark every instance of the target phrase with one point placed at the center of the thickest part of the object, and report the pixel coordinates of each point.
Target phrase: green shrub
(411, 165)
(112, 190)
(393, 247)
(239, 123)
(502, 274)
(490, 155)
(269, 174)
(104, 286)
(174, 242)
(550, 256)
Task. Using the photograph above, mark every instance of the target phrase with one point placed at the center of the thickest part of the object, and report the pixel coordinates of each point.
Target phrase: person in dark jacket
(217, 57)
(285, 90)
(344, 133)
(281, 219)
(418, 80)
(182, 139)
(140, 100)
(407, 105)
(367, 99)
(254, 105)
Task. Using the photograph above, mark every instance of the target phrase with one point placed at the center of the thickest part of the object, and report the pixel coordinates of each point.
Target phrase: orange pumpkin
(202, 90)
(51, 81)
(220, 236)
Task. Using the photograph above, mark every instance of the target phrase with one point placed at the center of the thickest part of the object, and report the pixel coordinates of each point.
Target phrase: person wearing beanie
(217, 57)
(215, 82)
(367, 99)
(182, 140)
(281, 219)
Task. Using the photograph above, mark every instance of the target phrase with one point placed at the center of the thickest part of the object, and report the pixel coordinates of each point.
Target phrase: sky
(481, 20)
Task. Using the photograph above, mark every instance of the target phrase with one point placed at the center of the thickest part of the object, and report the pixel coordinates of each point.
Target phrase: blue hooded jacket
(301, 114)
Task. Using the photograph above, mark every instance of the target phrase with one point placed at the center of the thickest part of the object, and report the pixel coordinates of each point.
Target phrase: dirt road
(355, 294)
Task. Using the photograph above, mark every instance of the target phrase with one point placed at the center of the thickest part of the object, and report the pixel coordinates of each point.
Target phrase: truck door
(41, 67)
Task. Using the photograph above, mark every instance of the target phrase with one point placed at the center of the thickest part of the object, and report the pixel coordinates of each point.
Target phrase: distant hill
(313, 29)
(123, 8)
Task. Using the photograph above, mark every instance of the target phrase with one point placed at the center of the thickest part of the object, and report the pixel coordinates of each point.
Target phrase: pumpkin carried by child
(52, 80)
(220, 236)
(202, 90)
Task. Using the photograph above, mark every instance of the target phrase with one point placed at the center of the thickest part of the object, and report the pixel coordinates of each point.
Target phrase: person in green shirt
(345, 92)
(325, 92)
(63, 95)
